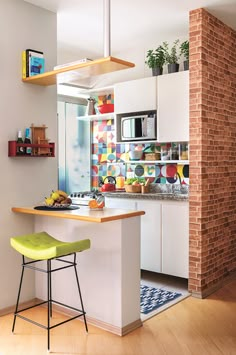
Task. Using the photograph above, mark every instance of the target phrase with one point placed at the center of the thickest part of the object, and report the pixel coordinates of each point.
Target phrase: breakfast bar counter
(109, 271)
(82, 213)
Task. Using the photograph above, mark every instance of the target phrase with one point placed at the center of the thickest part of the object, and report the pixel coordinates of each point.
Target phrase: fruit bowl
(58, 205)
(58, 199)
(106, 108)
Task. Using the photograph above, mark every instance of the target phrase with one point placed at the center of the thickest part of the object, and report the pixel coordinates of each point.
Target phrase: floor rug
(152, 298)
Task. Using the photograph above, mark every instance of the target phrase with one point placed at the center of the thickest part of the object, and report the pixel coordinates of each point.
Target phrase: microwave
(138, 128)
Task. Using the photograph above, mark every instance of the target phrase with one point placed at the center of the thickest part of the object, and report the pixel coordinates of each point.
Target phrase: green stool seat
(41, 246)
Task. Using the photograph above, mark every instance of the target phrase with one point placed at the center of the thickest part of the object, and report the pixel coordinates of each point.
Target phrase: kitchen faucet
(177, 176)
(179, 189)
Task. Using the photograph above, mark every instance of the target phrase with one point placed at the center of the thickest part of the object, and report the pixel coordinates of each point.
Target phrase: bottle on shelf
(28, 150)
(19, 150)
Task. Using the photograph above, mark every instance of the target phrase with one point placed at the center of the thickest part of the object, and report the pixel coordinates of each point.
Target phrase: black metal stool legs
(80, 295)
(50, 300)
(18, 296)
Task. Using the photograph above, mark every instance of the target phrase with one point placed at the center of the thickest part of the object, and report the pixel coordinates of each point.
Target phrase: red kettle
(110, 185)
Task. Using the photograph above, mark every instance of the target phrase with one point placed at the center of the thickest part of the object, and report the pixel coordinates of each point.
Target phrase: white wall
(24, 181)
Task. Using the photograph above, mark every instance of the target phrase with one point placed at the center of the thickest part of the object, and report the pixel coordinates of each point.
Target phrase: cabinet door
(150, 235)
(124, 203)
(175, 238)
(136, 95)
(173, 107)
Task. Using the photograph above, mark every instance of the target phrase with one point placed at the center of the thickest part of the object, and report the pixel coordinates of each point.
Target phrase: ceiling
(133, 23)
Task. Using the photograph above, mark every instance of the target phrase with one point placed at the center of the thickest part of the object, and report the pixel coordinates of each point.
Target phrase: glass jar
(183, 151)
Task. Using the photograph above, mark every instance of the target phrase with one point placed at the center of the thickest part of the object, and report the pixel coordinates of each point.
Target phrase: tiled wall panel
(108, 159)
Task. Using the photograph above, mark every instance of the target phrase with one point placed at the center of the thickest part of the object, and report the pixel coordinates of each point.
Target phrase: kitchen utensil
(110, 185)
(91, 106)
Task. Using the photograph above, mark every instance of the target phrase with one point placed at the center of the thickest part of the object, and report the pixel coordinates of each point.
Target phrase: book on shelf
(32, 63)
(23, 61)
(80, 61)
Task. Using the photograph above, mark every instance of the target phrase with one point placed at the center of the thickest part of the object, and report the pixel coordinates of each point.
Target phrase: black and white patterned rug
(152, 298)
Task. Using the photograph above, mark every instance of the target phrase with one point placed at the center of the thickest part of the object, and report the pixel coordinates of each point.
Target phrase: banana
(62, 193)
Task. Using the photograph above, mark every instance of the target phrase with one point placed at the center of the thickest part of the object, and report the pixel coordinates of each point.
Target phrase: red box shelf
(38, 150)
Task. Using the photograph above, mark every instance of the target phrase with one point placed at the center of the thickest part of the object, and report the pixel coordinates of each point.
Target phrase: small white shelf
(157, 161)
(103, 116)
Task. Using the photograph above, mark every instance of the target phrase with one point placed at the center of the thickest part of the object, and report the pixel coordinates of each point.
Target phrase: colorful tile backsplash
(111, 159)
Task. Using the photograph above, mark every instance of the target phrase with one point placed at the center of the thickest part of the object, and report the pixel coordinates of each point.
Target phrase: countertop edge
(86, 215)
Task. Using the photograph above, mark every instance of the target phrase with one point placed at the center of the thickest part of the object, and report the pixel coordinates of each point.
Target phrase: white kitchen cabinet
(173, 107)
(164, 234)
(136, 95)
(124, 203)
(175, 238)
(150, 235)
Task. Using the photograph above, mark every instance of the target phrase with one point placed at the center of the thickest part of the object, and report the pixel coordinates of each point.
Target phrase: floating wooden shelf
(49, 149)
(83, 70)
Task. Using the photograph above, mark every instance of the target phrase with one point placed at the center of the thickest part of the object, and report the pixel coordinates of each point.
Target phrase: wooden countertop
(83, 213)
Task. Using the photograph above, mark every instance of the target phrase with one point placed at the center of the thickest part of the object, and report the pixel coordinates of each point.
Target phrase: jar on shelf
(183, 151)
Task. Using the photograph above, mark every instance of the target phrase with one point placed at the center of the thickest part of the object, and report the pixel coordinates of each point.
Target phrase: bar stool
(42, 246)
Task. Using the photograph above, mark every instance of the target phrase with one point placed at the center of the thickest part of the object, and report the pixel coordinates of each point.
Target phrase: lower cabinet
(164, 234)
(150, 235)
(175, 238)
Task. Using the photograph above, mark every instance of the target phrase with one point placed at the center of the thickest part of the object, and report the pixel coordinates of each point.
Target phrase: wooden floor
(192, 327)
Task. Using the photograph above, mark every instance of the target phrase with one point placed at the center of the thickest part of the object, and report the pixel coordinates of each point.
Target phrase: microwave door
(132, 128)
(144, 127)
(138, 127)
(127, 129)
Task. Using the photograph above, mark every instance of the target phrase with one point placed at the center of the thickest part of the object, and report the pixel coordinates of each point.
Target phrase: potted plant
(156, 60)
(184, 49)
(172, 56)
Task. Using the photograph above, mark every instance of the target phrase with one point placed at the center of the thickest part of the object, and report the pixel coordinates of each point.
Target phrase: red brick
(212, 150)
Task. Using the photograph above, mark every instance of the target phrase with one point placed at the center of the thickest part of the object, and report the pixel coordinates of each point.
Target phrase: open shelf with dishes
(38, 150)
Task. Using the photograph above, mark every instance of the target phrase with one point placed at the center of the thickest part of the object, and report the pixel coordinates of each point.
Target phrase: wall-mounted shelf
(103, 116)
(88, 69)
(157, 161)
(47, 150)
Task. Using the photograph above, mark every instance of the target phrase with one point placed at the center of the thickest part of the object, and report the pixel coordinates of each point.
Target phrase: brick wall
(212, 152)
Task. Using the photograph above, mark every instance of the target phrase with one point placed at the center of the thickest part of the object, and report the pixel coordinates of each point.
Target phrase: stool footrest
(52, 326)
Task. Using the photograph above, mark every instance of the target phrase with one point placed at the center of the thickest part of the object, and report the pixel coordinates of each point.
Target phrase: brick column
(212, 198)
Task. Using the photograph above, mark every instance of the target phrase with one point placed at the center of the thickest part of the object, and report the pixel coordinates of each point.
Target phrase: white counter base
(109, 272)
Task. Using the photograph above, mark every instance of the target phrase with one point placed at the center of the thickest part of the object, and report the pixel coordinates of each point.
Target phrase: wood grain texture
(96, 67)
(83, 214)
(192, 327)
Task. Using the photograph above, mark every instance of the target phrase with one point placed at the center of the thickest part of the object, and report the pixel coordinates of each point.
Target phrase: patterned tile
(106, 153)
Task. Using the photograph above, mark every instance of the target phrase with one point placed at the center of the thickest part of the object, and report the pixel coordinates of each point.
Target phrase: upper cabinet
(168, 95)
(173, 107)
(136, 95)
